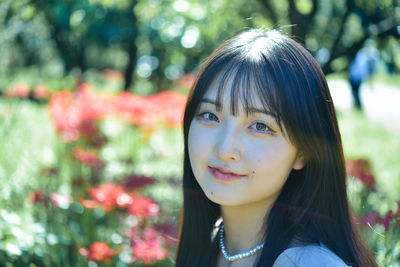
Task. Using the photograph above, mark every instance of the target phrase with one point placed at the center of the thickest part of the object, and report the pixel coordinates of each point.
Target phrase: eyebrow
(250, 109)
(207, 100)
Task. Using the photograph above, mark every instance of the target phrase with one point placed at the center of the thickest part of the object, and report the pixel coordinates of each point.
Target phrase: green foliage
(35, 230)
(393, 80)
(363, 139)
(159, 41)
(34, 76)
(28, 143)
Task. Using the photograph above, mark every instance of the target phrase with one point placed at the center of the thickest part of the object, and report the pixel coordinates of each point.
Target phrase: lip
(223, 174)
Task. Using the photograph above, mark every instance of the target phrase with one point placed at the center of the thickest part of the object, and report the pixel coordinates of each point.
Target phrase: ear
(299, 162)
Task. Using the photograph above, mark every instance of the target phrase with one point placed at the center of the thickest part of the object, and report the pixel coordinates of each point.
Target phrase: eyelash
(268, 131)
(200, 116)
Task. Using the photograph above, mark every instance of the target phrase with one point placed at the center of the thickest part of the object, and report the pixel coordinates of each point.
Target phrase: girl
(264, 178)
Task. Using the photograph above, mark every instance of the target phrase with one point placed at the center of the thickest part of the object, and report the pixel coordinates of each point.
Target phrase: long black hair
(313, 204)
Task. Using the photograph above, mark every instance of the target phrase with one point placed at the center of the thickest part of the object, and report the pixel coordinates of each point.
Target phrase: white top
(309, 256)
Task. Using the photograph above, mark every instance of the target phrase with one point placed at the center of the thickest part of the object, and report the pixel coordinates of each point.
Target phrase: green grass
(337, 76)
(27, 143)
(370, 140)
(393, 80)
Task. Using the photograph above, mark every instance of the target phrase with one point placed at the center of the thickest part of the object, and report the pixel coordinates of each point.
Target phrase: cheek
(197, 147)
(271, 158)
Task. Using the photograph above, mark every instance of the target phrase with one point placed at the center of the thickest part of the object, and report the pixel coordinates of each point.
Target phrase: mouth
(224, 174)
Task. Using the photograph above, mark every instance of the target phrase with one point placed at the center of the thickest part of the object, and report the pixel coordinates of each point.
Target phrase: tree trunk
(132, 49)
(130, 67)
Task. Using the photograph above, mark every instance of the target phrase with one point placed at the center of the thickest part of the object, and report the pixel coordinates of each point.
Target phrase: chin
(222, 199)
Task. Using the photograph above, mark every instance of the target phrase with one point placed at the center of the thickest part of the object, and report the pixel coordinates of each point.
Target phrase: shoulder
(308, 256)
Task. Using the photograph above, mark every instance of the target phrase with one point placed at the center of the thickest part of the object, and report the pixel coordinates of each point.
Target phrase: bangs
(262, 71)
(252, 86)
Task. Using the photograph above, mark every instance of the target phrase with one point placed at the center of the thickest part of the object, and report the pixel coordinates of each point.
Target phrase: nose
(227, 146)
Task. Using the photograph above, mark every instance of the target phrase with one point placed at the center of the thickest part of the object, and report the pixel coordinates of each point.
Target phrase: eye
(261, 128)
(208, 116)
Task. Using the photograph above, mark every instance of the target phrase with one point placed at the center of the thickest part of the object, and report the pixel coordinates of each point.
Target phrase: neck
(244, 226)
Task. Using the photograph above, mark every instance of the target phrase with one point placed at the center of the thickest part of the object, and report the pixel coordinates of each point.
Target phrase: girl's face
(250, 149)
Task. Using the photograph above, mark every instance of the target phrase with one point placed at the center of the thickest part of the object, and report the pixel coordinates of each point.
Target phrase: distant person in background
(362, 68)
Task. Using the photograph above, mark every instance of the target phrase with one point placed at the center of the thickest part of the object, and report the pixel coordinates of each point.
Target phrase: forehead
(236, 93)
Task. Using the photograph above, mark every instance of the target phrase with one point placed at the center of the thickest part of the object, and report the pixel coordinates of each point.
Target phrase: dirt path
(381, 102)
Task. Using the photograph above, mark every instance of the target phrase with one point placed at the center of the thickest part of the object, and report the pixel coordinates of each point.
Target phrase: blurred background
(92, 94)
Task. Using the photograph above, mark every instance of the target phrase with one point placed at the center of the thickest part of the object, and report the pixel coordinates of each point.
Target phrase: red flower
(146, 233)
(143, 207)
(148, 244)
(146, 112)
(124, 200)
(169, 232)
(110, 74)
(66, 115)
(387, 219)
(98, 251)
(187, 81)
(60, 201)
(87, 157)
(367, 179)
(150, 234)
(135, 181)
(36, 197)
(170, 105)
(372, 218)
(398, 210)
(361, 170)
(136, 109)
(110, 196)
(75, 115)
(90, 204)
(149, 252)
(41, 92)
(18, 90)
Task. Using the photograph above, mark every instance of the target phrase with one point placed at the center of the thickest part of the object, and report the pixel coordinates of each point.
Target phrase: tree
(79, 25)
(336, 30)
(154, 42)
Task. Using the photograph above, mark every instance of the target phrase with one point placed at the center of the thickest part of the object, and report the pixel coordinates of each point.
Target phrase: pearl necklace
(236, 256)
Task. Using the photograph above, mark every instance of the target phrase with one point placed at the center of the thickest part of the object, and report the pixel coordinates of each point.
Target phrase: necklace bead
(236, 256)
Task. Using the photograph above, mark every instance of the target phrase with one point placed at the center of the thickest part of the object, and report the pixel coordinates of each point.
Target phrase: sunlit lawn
(370, 140)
